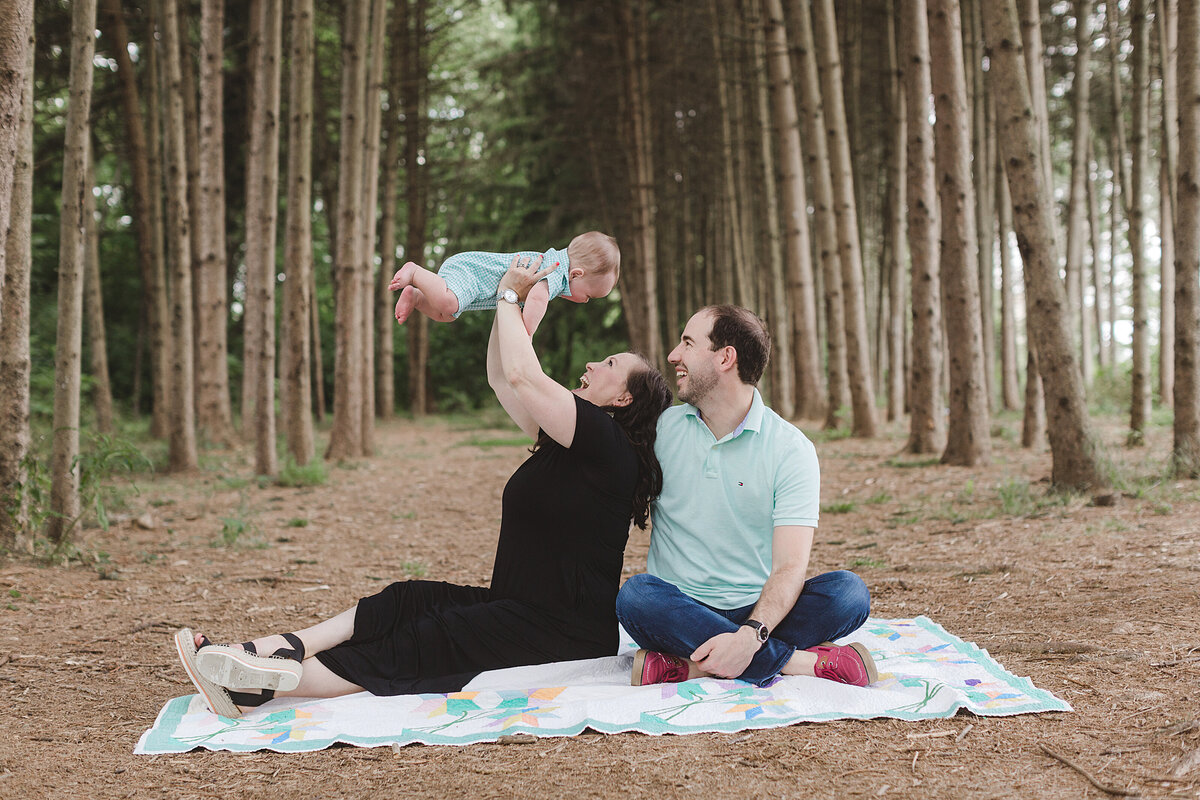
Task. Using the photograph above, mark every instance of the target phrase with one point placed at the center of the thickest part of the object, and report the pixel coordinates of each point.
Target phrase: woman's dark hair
(651, 396)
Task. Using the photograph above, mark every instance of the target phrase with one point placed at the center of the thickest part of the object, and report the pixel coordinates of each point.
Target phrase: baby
(588, 268)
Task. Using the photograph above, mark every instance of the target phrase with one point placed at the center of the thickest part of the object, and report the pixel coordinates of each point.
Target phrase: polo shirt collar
(751, 422)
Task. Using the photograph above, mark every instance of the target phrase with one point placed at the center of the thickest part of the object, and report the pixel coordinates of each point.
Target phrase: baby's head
(595, 266)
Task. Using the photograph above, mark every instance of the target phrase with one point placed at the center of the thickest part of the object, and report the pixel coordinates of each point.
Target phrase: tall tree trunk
(967, 441)
(858, 356)
(214, 414)
(385, 336)
(809, 384)
(370, 201)
(182, 453)
(318, 361)
(1010, 387)
(812, 116)
(162, 346)
(191, 141)
(345, 438)
(926, 429)
(642, 288)
(1076, 457)
(1098, 313)
(1076, 203)
(983, 144)
(896, 220)
(14, 322)
(770, 23)
(416, 85)
(262, 203)
(298, 252)
(93, 303)
(730, 153)
(1185, 450)
(1112, 14)
(1139, 408)
(16, 32)
(76, 204)
(1168, 41)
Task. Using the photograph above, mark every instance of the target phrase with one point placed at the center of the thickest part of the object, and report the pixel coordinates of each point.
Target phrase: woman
(566, 515)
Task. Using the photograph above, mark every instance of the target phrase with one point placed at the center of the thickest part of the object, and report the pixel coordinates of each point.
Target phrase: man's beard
(698, 387)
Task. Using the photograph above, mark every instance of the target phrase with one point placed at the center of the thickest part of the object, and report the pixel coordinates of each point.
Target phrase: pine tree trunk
(729, 153)
(1010, 386)
(1098, 315)
(191, 140)
(858, 357)
(162, 346)
(983, 144)
(385, 331)
(345, 438)
(182, 453)
(370, 202)
(14, 321)
(298, 248)
(926, 430)
(1076, 203)
(896, 221)
(1167, 16)
(770, 23)
(214, 414)
(1185, 450)
(16, 31)
(318, 360)
(262, 190)
(76, 204)
(93, 304)
(809, 383)
(1029, 13)
(968, 440)
(812, 116)
(1139, 408)
(416, 88)
(1076, 458)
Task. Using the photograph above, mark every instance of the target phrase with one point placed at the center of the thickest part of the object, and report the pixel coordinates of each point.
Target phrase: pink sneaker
(650, 667)
(851, 663)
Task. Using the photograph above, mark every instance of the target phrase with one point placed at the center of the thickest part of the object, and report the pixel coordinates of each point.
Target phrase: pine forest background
(947, 211)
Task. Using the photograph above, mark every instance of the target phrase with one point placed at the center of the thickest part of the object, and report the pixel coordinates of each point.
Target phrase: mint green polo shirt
(714, 521)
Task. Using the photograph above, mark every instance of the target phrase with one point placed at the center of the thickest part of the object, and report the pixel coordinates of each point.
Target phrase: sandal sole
(234, 668)
(216, 697)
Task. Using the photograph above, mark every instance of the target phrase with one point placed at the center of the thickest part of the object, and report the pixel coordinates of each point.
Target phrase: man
(726, 594)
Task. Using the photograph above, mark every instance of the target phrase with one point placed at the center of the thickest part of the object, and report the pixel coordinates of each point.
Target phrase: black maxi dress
(566, 516)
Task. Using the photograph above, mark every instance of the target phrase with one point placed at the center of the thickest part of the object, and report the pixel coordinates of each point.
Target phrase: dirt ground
(1097, 603)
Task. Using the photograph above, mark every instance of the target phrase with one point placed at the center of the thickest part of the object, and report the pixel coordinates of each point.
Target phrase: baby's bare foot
(403, 276)
(407, 302)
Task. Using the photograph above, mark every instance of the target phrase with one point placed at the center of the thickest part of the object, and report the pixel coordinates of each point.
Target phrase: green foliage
(297, 522)
(1017, 499)
(873, 563)
(838, 508)
(878, 498)
(311, 474)
(917, 463)
(499, 441)
(413, 569)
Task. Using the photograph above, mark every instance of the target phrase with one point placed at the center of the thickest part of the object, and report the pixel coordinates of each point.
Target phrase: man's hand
(727, 655)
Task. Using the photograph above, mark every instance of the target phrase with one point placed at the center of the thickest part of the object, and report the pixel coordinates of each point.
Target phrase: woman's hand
(523, 274)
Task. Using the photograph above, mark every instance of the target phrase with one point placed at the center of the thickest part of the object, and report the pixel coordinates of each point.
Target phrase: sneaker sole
(234, 668)
(639, 663)
(216, 697)
(868, 662)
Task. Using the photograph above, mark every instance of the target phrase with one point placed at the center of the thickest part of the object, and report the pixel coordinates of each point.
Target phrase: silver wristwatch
(509, 296)
(761, 632)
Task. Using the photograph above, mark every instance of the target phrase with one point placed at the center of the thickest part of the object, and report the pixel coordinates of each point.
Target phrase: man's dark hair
(741, 329)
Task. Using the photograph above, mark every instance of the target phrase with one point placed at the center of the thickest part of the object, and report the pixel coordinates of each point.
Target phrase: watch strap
(760, 629)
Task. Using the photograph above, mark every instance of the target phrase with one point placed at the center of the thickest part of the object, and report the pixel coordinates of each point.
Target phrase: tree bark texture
(416, 87)
(93, 304)
(16, 37)
(385, 330)
(896, 222)
(345, 438)
(214, 413)
(926, 426)
(1010, 389)
(968, 441)
(858, 356)
(1167, 16)
(298, 248)
(983, 147)
(1077, 199)
(809, 383)
(1076, 458)
(812, 116)
(76, 203)
(14, 330)
(1185, 450)
(1139, 145)
(162, 345)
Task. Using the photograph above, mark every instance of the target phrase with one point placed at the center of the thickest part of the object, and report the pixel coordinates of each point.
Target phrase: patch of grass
(294, 475)
(830, 434)
(838, 508)
(234, 483)
(162, 501)
(1162, 509)
(406, 515)
(232, 529)
(879, 498)
(1116, 525)
(297, 522)
(901, 463)
(496, 441)
(1016, 498)
(413, 569)
(867, 562)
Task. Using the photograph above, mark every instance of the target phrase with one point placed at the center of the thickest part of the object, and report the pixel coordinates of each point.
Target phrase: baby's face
(587, 287)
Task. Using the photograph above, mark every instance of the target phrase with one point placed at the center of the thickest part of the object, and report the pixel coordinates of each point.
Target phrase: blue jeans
(660, 617)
